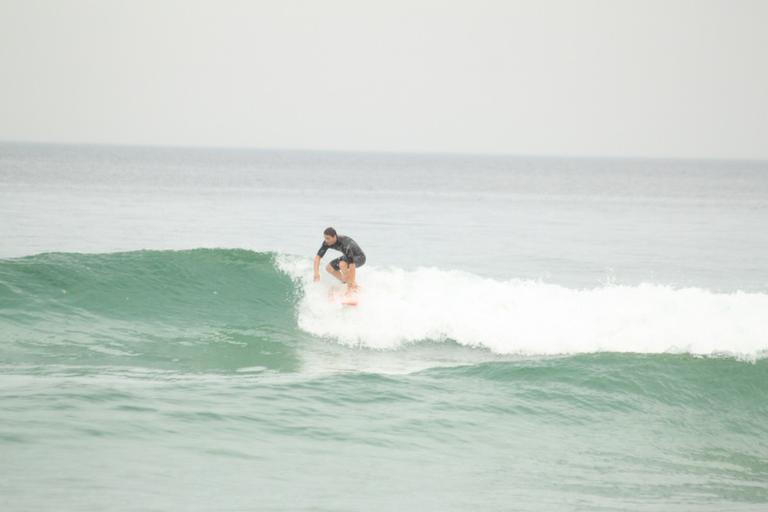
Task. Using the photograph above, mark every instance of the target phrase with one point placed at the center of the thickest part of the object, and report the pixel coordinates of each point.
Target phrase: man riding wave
(342, 268)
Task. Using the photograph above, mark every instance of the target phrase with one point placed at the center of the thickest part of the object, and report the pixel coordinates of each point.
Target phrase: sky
(644, 78)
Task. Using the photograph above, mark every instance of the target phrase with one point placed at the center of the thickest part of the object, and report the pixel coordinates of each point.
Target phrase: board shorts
(359, 261)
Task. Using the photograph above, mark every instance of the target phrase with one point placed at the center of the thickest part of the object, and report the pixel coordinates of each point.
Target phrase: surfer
(342, 268)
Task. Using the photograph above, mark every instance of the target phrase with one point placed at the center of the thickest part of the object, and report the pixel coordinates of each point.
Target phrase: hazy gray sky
(643, 78)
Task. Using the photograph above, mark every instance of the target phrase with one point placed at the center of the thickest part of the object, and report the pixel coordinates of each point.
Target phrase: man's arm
(317, 267)
(320, 253)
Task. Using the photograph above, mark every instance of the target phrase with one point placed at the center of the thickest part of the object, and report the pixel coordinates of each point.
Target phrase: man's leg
(348, 271)
(335, 273)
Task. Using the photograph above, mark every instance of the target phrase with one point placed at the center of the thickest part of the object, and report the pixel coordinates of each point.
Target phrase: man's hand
(317, 277)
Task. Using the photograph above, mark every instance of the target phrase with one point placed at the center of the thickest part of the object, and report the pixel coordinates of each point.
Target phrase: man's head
(330, 236)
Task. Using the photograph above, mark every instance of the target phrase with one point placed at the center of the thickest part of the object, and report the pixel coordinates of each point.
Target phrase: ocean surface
(532, 333)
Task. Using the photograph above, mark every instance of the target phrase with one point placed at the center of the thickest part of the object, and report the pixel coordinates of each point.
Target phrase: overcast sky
(614, 78)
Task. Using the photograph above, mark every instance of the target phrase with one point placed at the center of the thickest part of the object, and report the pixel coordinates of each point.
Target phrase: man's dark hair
(329, 231)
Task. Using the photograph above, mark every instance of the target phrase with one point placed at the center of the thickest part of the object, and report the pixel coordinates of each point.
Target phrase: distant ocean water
(532, 334)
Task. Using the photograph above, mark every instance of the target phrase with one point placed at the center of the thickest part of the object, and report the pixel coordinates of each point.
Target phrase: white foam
(529, 317)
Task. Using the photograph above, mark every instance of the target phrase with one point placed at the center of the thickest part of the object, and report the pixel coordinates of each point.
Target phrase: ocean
(533, 333)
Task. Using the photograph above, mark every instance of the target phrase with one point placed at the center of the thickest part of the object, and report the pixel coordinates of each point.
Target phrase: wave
(533, 318)
(228, 309)
(200, 309)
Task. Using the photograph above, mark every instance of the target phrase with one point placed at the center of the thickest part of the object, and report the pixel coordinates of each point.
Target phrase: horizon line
(393, 152)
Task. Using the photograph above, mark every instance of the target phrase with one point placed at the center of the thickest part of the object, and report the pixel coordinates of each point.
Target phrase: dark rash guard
(346, 246)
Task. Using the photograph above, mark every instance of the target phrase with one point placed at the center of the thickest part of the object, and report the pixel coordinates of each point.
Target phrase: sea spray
(531, 317)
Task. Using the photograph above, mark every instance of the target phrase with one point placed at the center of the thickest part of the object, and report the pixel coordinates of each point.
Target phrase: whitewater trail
(514, 316)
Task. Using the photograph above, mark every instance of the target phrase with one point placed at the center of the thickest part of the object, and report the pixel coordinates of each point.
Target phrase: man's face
(329, 239)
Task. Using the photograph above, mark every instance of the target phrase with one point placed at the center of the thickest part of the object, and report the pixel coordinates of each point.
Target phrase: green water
(200, 310)
(181, 380)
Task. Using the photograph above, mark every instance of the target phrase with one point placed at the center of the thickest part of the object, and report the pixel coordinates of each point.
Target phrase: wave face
(534, 318)
(199, 309)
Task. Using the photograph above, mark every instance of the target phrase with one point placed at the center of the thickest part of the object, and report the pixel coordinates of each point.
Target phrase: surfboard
(339, 296)
(350, 300)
